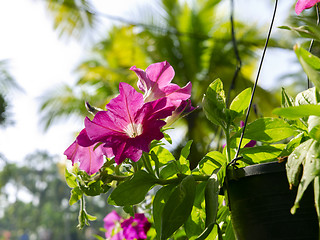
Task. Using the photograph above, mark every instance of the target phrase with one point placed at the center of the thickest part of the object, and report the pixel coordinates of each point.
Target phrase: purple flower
(252, 143)
(84, 151)
(129, 125)
(305, 4)
(112, 226)
(155, 82)
(135, 228)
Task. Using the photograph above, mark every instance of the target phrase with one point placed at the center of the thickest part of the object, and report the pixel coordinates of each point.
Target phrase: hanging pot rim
(257, 169)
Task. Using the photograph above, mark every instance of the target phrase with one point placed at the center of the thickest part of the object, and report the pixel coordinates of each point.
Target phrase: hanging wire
(233, 162)
(236, 52)
(312, 40)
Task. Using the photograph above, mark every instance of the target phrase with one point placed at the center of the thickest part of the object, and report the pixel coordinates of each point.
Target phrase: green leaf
(132, 191)
(286, 100)
(293, 143)
(211, 198)
(171, 169)
(178, 207)
(129, 209)
(240, 103)
(154, 157)
(76, 195)
(167, 137)
(200, 190)
(314, 127)
(311, 166)
(208, 233)
(298, 111)
(260, 154)
(159, 201)
(310, 64)
(185, 152)
(211, 161)
(229, 234)
(214, 103)
(84, 217)
(303, 31)
(70, 179)
(94, 188)
(316, 187)
(195, 223)
(164, 156)
(98, 237)
(268, 130)
(222, 173)
(295, 160)
(306, 97)
(184, 157)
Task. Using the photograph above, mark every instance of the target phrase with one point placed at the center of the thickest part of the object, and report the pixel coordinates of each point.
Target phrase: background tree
(7, 87)
(42, 200)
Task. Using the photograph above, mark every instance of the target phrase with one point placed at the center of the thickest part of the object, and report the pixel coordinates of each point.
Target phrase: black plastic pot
(260, 203)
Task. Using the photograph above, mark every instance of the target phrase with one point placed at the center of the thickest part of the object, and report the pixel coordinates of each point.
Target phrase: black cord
(233, 162)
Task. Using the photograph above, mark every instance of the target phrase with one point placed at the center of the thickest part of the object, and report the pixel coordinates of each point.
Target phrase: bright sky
(40, 61)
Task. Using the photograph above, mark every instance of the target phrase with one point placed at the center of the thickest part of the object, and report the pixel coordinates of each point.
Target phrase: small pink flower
(252, 143)
(129, 125)
(155, 82)
(305, 4)
(136, 228)
(112, 226)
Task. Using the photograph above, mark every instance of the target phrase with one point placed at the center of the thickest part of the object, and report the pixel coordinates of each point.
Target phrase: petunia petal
(90, 158)
(304, 4)
(155, 82)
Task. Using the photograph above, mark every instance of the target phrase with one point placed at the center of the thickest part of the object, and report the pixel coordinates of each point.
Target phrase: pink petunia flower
(155, 82)
(113, 227)
(129, 125)
(84, 151)
(305, 4)
(136, 228)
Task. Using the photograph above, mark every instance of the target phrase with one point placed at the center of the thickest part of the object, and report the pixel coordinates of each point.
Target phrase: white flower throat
(133, 130)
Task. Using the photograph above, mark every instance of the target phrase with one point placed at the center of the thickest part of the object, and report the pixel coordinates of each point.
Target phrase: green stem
(198, 178)
(147, 164)
(227, 134)
(178, 179)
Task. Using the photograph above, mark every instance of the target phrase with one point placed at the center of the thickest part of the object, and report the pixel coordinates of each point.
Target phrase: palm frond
(72, 17)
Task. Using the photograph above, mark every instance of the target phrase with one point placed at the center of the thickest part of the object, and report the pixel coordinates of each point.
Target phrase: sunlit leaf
(132, 191)
(178, 207)
(214, 103)
(310, 64)
(269, 130)
(298, 111)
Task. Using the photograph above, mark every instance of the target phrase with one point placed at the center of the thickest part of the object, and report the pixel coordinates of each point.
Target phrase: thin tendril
(233, 162)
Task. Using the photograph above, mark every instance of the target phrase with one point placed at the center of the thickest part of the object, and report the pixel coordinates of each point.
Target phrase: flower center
(133, 130)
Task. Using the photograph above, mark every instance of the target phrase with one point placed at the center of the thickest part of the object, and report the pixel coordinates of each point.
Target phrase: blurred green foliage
(34, 198)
